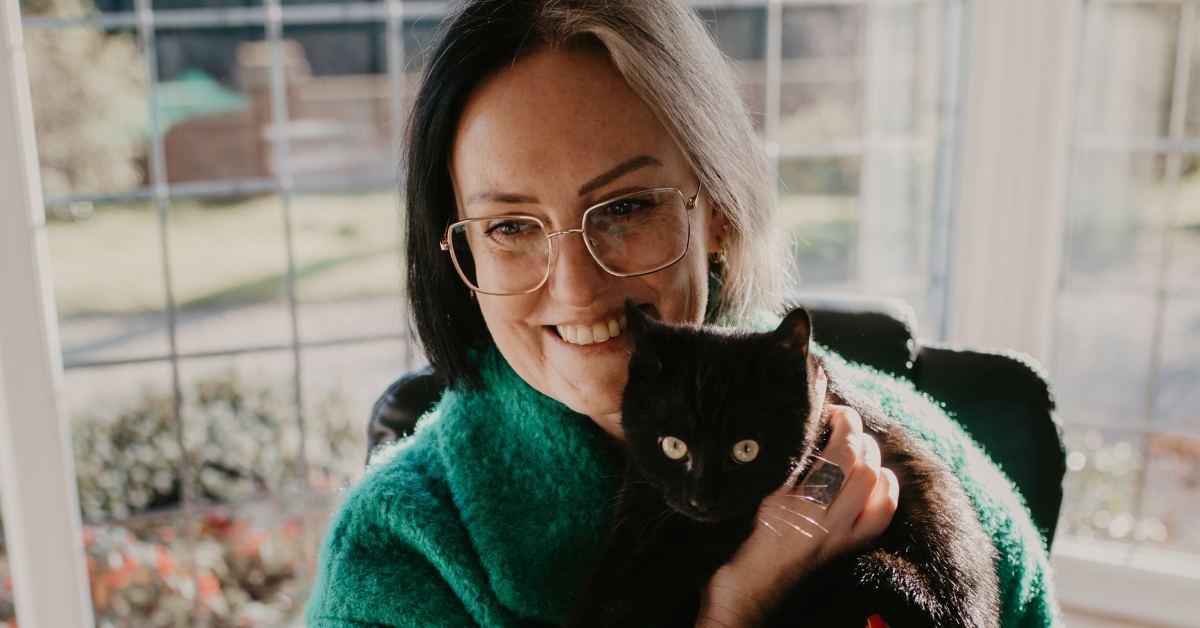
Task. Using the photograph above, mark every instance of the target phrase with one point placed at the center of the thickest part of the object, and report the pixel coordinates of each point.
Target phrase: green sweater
(493, 512)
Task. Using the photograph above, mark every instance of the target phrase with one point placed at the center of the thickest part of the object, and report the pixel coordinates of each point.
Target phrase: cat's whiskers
(805, 517)
(788, 523)
(810, 500)
(769, 526)
(658, 519)
(638, 511)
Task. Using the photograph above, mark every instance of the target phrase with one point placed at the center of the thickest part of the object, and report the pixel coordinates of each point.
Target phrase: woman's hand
(796, 534)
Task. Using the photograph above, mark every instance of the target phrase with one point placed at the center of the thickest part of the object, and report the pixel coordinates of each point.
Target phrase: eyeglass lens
(632, 235)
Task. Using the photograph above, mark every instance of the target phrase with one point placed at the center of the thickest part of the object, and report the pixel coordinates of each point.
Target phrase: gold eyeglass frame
(688, 204)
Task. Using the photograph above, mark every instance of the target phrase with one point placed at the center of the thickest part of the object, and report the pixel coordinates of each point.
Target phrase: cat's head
(717, 419)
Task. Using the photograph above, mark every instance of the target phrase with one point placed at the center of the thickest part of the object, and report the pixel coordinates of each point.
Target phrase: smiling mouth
(592, 334)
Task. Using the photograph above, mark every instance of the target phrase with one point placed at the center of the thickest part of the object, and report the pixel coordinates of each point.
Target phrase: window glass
(109, 282)
(348, 266)
(821, 74)
(739, 34)
(1128, 353)
(215, 104)
(229, 272)
(1128, 70)
(820, 205)
(340, 118)
(225, 335)
(88, 88)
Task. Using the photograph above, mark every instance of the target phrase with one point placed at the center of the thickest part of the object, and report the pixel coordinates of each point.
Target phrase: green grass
(225, 254)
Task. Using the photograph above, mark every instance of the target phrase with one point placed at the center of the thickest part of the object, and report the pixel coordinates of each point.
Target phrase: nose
(575, 277)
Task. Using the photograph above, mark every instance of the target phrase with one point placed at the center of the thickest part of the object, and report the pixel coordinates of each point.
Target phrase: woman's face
(550, 136)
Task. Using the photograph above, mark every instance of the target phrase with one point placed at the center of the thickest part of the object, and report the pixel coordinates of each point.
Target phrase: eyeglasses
(631, 235)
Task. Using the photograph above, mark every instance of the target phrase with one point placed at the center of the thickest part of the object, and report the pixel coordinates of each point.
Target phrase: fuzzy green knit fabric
(493, 512)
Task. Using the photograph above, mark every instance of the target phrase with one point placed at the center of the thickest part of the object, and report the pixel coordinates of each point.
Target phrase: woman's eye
(673, 448)
(505, 228)
(510, 228)
(745, 451)
(627, 206)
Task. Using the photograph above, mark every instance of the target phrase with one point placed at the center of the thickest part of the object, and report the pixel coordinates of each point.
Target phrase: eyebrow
(501, 197)
(641, 161)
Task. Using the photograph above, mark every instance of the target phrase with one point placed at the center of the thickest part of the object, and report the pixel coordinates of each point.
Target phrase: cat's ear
(641, 326)
(639, 323)
(794, 332)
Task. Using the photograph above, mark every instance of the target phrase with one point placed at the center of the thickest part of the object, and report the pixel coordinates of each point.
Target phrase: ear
(718, 230)
(794, 332)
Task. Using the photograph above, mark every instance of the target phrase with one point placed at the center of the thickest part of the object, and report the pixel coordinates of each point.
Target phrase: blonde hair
(667, 56)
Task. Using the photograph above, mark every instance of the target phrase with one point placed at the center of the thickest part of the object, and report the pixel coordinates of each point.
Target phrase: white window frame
(37, 471)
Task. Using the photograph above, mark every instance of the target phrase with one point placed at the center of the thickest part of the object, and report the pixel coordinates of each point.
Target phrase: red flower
(207, 586)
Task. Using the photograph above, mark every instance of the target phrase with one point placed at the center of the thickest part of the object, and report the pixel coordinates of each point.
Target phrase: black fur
(678, 521)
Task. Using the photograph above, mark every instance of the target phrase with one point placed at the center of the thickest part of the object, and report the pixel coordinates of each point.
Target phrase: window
(856, 103)
(224, 240)
(1127, 366)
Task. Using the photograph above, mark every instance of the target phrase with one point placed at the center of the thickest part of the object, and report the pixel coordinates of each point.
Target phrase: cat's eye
(745, 451)
(673, 448)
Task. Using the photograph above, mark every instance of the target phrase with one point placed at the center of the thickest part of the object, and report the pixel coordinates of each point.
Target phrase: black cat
(716, 420)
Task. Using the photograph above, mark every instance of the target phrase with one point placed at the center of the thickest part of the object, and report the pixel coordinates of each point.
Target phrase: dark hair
(475, 44)
(664, 51)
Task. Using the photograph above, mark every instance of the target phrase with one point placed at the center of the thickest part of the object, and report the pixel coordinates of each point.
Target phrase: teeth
(592, 334)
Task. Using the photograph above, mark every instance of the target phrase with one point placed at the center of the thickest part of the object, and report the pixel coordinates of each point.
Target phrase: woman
(538, 121)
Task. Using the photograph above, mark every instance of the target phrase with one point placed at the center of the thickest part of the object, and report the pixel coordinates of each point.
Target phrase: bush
(240, 438)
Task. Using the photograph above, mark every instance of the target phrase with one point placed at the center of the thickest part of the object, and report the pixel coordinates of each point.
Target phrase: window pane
(1178, 403)
(125, 439)
(348, 267)
(141, 573)
(255, 562)
(340, 114)
(1100, 489)
(1103, 358)
(903, 70)
(108, 281)
(1172, 500)
(1128, 69)
(821, 73)
(341, 385)
(214, 102)
(741, 34)
(1115, 219)
(1185, 256)
(240, 426)
(819, 202)
(896, 223)
(89, 110)
(229, 273)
